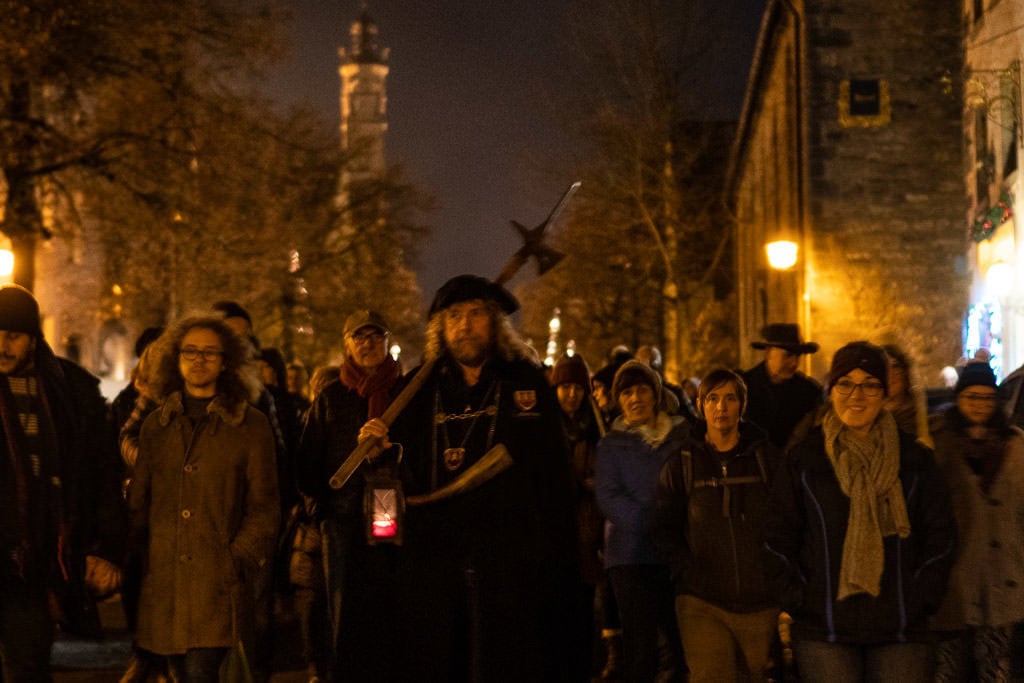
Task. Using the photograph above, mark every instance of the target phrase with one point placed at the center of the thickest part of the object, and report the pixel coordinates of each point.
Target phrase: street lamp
(6, 263)
(552, 348)
(781, 254)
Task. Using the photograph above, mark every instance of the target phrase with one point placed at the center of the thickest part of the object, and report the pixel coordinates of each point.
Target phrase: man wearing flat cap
(489, 563)
(355, 570)
(779, 395)
(60, 502)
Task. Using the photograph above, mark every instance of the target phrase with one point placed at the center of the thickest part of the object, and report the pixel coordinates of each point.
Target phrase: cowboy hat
(784, 336)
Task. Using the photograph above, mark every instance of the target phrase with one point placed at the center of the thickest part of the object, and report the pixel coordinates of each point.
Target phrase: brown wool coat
(206, 504)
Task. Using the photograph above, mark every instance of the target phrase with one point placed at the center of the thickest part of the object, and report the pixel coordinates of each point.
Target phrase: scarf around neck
(868, 473)
(375, 387)
(652, 436)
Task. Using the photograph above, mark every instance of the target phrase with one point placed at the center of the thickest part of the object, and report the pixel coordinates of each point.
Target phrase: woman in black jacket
(711, 505)
(861, 535)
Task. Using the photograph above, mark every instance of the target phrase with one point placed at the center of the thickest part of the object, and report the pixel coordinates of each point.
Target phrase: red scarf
(375, 387)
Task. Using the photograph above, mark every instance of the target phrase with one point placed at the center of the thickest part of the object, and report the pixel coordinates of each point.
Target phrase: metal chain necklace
(454, 457)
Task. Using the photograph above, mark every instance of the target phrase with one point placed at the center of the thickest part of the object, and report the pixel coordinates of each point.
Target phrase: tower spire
(364, 72)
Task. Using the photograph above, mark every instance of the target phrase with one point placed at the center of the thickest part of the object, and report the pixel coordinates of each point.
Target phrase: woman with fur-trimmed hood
(204, 499)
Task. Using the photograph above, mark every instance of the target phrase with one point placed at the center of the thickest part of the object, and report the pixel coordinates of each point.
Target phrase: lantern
(384, 507)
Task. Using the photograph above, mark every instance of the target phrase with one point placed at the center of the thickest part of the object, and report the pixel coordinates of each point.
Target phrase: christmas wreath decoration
(985, 225)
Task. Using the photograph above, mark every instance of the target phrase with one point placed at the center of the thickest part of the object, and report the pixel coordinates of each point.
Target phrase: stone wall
(886, 199)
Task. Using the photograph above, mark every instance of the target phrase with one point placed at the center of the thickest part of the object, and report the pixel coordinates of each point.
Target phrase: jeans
(853, 663)
(724, 646)
(650, 638)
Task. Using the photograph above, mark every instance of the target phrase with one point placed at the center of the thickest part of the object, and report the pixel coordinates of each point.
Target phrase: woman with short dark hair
(711, 507)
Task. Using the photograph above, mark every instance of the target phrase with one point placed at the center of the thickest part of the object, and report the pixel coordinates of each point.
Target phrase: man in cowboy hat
(779, 395)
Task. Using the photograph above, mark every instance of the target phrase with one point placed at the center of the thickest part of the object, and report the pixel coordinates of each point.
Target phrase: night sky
(470, 107)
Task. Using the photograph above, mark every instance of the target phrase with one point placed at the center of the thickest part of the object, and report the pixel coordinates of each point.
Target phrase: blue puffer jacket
(626, 481)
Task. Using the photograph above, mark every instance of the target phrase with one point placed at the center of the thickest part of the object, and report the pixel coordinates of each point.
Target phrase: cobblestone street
(77, 660)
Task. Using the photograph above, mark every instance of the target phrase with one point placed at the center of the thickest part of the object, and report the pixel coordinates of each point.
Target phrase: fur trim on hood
(232, 413)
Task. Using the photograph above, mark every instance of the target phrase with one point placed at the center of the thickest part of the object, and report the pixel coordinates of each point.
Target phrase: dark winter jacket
(330, 433)
(89, 501)
(779, 408)
(711, 512)
(804, 549)
(582, 432)
(627, 479)
(507, 546)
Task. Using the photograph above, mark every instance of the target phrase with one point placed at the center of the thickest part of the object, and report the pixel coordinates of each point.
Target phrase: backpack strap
(686, 459)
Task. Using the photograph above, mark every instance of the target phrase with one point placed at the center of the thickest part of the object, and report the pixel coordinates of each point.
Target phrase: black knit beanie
(19, 311)
(976, 374)
(860, 355)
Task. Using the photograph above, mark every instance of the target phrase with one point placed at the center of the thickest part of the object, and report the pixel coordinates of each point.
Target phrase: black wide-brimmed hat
(784, 336)
(466, 287)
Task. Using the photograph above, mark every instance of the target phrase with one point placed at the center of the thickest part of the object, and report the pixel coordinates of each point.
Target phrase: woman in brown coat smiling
(204, 498)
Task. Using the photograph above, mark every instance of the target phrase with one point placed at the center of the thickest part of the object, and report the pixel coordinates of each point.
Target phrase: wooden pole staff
(546, 257)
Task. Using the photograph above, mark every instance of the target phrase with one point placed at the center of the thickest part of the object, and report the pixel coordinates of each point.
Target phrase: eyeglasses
(980, 398)
(372, 337)
(192, 353)
(845, 387)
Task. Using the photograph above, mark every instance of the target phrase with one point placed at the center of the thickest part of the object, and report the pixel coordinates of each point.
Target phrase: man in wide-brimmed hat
(779, 395)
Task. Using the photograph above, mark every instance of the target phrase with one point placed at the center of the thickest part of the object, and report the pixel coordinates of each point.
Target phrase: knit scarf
(31, 450)
(868, 472)
(375, 387)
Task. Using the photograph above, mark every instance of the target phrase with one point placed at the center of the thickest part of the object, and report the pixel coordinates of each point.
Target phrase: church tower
(364, 72)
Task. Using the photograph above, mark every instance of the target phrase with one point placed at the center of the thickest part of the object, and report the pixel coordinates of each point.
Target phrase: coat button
(994, 502)
(1011, 583)
(184, 558)
(188, 468)
(186, 513)
(995, 544)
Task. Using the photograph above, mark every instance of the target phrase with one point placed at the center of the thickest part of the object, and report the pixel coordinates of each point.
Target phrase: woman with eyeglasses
(860, 535)
(982, 457)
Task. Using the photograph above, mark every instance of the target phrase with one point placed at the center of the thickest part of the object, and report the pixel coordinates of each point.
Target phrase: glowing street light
(552, 348)
(782, 254)
(6, 262)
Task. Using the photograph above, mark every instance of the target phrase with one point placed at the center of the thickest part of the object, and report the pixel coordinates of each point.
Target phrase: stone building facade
(850, 146)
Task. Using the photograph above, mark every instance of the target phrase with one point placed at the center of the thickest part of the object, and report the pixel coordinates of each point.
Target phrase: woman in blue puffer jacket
(629, 460)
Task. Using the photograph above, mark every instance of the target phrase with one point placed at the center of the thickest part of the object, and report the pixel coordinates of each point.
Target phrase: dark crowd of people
(482, 518)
